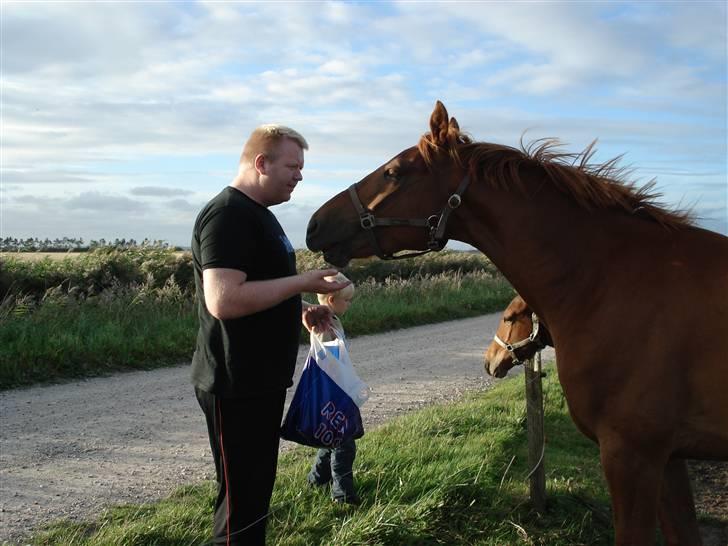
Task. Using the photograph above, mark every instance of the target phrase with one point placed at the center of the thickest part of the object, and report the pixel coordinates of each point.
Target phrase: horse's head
(516, 339)
(404, 204)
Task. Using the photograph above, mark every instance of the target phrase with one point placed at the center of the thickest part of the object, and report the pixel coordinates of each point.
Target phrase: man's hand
(315, 281)
(317, 318)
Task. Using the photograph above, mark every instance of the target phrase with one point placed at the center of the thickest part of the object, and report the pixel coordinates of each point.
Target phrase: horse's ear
(439, 124)
(453, 130)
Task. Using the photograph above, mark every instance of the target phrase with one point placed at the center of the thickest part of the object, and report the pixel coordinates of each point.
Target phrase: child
(335, 465)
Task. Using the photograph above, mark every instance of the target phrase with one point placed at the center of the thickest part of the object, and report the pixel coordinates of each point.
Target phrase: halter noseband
(434, 224)
(532, 338)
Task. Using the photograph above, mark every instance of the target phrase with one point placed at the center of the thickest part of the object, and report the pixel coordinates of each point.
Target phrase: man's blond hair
(265, 139)
(346, 291)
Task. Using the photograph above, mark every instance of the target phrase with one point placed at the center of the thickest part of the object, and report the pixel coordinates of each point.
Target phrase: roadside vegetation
(448, 474)
(132, 307)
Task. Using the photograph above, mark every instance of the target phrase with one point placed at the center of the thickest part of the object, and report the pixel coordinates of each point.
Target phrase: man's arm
(228, 293)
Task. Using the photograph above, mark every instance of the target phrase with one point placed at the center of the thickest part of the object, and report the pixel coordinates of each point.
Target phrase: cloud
(181, 205)
(45, 176)
(102, 203)
(158, 191)
(87, 202)
(148, 101)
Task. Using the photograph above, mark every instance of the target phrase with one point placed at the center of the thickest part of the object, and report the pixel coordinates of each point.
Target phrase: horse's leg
(634, 479)
(678, 521)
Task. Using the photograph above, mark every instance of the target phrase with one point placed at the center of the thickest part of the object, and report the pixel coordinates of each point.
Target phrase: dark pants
(244, 437)
(335, 465)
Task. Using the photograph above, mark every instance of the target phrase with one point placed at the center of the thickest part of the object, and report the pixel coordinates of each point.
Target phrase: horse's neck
(546, 246)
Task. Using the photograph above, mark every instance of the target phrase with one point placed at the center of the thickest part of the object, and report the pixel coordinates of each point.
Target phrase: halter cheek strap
(435, 224)
(532, 338)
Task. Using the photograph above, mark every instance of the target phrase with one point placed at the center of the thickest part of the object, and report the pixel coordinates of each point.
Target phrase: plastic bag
(325, 407)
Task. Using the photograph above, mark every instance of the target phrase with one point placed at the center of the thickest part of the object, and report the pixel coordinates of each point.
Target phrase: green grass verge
(145, 327)
(442, 475)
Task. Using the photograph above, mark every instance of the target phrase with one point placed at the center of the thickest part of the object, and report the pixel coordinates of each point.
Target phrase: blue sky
(121, 119)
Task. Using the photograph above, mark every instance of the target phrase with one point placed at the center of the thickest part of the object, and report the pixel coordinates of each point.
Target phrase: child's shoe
(352, 499)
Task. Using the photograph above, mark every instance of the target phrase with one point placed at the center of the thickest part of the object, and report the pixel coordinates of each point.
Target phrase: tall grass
(89, 273)
(402, 303)
(452, 474)
(124, 309)
(121, 328)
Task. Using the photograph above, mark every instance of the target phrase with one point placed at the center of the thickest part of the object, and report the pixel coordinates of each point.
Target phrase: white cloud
(155, 191)
(126, 87)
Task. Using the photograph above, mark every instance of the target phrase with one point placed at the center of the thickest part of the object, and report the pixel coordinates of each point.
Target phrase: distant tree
(70, 244)
(9, 244)
(29, 245)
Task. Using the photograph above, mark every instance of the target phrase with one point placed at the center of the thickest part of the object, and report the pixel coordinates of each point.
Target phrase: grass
(147, 326)
(66, 337)
(403, 303)
(449, 474)
(35, 256)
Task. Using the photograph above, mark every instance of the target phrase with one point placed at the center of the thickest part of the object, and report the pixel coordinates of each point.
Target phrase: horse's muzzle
(311, 235)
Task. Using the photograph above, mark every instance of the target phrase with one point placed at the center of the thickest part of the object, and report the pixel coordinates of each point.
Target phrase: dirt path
(70, 450)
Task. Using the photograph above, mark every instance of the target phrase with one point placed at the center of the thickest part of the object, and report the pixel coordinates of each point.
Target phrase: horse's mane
(591, 185)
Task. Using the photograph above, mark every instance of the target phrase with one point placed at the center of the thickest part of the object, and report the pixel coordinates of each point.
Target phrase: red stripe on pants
(225, 471)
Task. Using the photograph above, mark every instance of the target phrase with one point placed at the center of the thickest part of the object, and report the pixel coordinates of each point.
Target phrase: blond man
(250, 313)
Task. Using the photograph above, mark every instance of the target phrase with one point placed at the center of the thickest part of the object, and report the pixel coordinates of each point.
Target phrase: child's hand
(317, 318)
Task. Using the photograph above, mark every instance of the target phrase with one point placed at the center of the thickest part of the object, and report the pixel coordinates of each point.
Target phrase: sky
(122, 119)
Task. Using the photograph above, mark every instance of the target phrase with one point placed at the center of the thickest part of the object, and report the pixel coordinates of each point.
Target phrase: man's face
(283, 172)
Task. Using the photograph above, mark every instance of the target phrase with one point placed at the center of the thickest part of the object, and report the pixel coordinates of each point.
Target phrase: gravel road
(70, 450)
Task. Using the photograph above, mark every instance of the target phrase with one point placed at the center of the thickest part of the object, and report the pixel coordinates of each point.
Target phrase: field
(38, 256)
(451, 474)
(438, 476)
(92, 313)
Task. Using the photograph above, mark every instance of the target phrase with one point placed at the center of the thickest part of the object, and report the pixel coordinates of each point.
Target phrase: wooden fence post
(536, 444)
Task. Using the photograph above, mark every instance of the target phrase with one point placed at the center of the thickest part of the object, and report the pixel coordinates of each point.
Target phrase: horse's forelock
(428, 148)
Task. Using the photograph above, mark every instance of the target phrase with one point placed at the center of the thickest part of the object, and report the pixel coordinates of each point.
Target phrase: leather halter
(532, 338)
(435, 224)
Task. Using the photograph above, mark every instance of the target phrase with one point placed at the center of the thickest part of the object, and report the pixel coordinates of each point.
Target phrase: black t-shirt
(255, 353)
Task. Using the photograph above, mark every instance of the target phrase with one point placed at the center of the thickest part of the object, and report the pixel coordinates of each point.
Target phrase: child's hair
(347, 290)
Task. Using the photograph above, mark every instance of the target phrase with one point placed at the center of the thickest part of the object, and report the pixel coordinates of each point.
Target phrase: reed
(117, 309)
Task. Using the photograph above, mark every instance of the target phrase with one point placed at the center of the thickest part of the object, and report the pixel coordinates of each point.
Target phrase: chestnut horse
(520, 335)
(635, 297)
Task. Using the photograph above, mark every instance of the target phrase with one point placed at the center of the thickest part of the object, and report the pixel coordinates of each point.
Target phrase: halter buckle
(454, 201)
(367, 221)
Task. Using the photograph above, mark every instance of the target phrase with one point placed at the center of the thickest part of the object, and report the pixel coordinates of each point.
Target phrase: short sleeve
(227, 239)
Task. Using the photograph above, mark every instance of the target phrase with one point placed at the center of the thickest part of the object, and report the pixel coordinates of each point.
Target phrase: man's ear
(260, 164)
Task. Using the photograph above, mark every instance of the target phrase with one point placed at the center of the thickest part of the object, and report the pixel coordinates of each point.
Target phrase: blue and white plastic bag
(325, 407)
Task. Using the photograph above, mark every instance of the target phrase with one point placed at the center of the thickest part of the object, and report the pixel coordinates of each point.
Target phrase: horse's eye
(391, 174)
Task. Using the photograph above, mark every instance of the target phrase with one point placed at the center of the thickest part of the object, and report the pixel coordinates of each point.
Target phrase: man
(250, 314)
